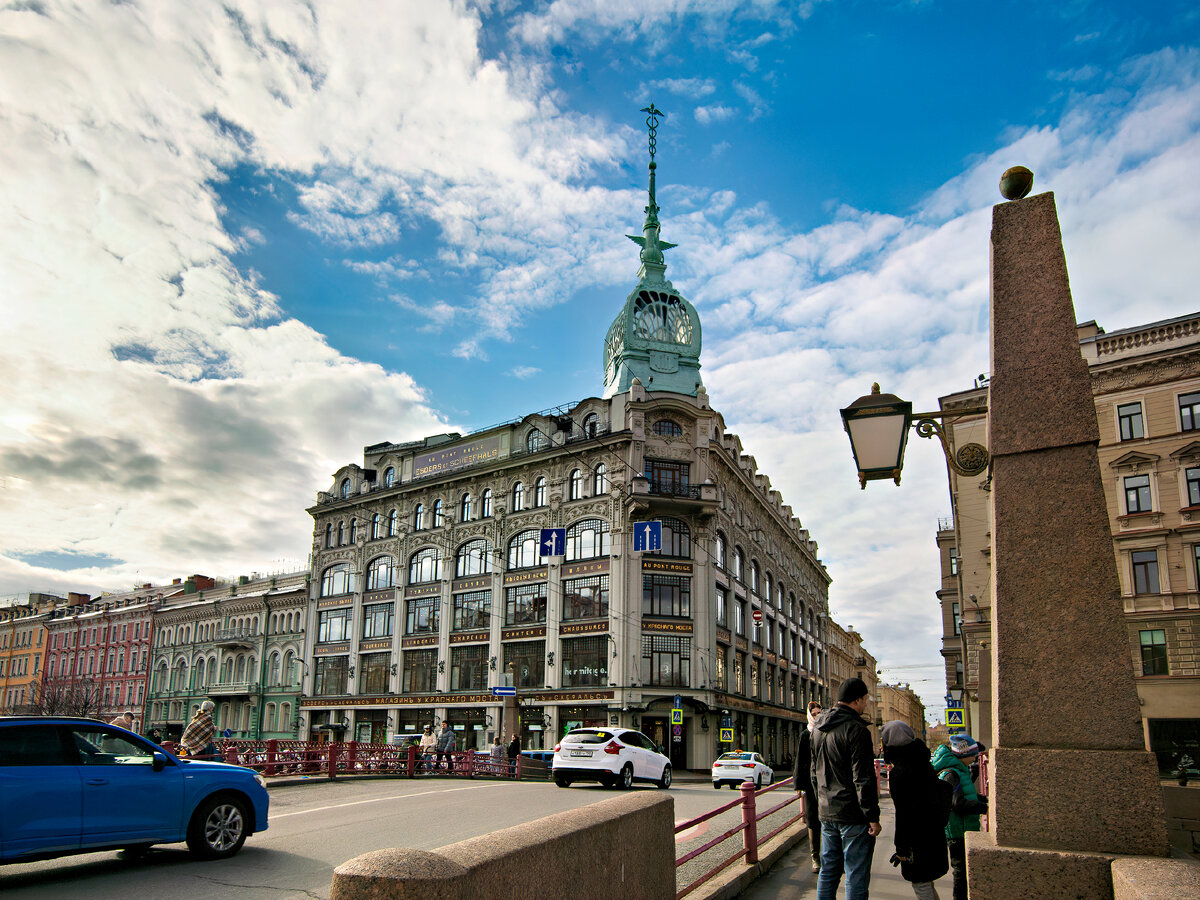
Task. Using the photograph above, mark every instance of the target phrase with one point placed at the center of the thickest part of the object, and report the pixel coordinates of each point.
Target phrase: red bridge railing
(748, 828)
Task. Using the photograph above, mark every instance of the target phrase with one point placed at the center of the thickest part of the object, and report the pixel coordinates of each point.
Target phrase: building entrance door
(660, 730)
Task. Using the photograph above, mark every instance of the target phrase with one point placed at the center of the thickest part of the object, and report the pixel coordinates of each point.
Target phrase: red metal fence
(748, 827)
(308, 758)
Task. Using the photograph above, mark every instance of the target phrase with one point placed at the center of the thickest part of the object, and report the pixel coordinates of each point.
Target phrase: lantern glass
(878, 428)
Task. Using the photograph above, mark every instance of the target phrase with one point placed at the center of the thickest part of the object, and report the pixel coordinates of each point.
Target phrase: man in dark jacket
(843, 772)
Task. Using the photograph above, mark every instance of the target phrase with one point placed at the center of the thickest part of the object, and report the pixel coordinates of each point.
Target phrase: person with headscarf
(802, 783)
(922, 804)
(198, 737)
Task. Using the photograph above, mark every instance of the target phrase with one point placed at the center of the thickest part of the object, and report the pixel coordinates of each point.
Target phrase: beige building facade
(849, 659)
(1146, 385)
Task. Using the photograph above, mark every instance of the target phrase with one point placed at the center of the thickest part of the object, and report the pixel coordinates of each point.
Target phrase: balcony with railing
(235, 637)
(233, 688)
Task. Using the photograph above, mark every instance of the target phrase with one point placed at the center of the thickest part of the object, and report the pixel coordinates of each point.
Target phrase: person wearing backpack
(953, 763)
(922, 803)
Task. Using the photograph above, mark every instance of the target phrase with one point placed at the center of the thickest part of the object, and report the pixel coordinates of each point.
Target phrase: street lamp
(878, 428)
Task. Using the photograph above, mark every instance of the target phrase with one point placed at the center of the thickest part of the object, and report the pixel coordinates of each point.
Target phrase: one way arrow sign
(647, 536)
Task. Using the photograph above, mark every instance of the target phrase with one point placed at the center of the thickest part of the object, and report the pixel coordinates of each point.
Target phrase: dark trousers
(449, 754)
(958, 865)
(814, 839)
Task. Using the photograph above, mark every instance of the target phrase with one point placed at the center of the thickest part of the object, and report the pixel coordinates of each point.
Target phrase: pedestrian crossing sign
(954, 718)
(726, 735)
(677, 717)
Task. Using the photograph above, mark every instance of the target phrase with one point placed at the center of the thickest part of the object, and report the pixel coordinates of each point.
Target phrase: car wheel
(665, 781)
(627, 776)
(758, 783)
(609, 781)
(219, 827)
(562, 781)
(716, 785)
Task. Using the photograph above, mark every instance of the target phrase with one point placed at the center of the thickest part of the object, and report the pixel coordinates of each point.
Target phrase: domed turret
(656, 335)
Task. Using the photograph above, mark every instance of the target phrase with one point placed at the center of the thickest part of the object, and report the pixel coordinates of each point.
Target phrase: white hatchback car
(613, 756)
(734, 768)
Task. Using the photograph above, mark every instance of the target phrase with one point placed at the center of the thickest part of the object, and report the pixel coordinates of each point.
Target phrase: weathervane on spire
(653, 265)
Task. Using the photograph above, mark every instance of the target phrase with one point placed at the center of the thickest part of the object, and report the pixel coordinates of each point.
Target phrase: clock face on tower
(661, 317)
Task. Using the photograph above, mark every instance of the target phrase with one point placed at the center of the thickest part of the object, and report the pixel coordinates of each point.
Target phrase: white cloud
(706, 115)
(525, 372)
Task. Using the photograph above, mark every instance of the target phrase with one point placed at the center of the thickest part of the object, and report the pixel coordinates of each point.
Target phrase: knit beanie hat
(964, 745)
(897, 734)
(851, 690)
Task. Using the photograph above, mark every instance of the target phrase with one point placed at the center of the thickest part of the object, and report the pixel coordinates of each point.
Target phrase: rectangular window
(1192, 477)
(468, 668)
(1129, 418)
(666, 595)
(667, 477)
(722, 606)
(739, 673)
(953, 560)
(586, 598)
(472, 611)
(1154, 652)
(525, 604)
(333, 625)
(1189, 412)
(957, 613)
(720, 667)
(585, 662)
(420, 675)
(374, 670)
(754, 678)
(422, 615)
(1145, 572)
(666, 660)
(378, 620)
(330, 674)
(739, 618)
(528, 661)
(1137, 493)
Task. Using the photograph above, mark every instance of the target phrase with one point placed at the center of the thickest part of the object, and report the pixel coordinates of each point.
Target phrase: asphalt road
(315, 826)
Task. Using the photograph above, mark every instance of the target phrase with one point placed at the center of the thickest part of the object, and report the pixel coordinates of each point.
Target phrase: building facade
(1146, 387)
(23, 651)
(849, 659)
(898, 702)
(238, 644)
(613, 559)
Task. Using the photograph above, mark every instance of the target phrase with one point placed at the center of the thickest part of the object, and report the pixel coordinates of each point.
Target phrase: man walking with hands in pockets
(843, 774)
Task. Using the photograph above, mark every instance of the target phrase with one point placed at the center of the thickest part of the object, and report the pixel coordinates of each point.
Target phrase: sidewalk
(791, 878)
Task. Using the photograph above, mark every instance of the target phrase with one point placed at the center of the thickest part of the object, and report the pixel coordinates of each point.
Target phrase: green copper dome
(656, 335)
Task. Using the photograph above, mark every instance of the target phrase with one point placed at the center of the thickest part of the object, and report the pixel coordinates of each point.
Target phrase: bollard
(412, 760)
(333, 755)
(272, 753)
(750, 820)
(351, 755)
(231, 754)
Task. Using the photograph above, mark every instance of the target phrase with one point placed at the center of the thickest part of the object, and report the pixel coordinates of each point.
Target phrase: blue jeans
(848, 848)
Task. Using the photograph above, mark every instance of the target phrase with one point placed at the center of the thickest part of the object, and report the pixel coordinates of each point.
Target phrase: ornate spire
(653, 265)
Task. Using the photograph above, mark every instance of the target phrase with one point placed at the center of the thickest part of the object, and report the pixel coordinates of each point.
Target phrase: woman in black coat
(922, 805)
(802, 783)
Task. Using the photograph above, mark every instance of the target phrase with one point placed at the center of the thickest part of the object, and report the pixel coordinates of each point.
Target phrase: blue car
(77, 785)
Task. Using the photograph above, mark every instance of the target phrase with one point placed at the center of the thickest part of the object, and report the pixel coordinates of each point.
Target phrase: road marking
(694, 832)
(304, 812)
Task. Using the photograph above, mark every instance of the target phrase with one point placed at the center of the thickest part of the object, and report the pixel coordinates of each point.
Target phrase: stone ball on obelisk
(1016, 183)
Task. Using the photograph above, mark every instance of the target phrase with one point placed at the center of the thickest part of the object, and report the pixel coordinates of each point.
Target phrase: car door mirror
(160, 761)
(661, 749)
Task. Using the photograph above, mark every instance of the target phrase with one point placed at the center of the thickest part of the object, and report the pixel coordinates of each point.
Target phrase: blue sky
(242, 242)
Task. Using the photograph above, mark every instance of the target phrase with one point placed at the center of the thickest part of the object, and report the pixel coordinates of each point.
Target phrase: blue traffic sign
(647, 536)
(554, 542)
(504, 691)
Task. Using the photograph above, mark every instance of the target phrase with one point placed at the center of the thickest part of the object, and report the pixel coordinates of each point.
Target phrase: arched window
(418, 517)
(769, 596)
(588, 539)
(464, 508)
(353, 530)
(274, 672)
(201, 674)
(329, 535)
(575, 485)
(539, 491)
(600, 481)
(721, 548)
(533, 440)
(241, 670)
(523, 550)
(591, 425)
(425, 566)
(676, 538)
(754, 576)
(376, 527)
(667, 428)
(518, 497)
(393, 523)
(473, 558)
(739, 563)
(389, 476)
(341, 533)
(269, 718)
(485, 504)
(181, 672)
(345, 489)
(379, 573)
(336, 580)
(289, 668)
(439, 514)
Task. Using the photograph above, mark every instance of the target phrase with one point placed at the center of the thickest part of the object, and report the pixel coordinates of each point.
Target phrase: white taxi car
(734, 768)
(613, 756)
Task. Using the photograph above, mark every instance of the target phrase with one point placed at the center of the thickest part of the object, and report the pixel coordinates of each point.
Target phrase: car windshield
(736, 756)
(589, 736)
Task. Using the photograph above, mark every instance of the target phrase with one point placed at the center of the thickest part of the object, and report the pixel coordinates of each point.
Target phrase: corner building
(430, 584)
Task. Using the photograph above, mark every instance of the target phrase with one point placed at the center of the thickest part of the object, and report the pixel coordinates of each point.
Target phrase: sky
(242, 241)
